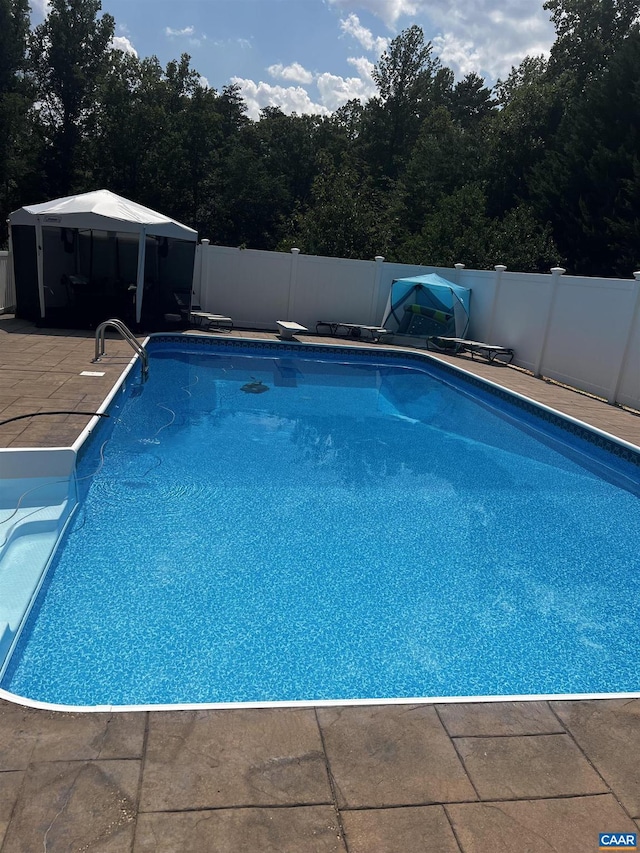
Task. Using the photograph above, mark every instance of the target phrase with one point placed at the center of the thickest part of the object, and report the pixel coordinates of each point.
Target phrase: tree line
(541, 169)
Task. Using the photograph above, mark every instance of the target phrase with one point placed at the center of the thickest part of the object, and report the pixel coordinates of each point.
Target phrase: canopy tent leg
(142, 248)
(40, 265)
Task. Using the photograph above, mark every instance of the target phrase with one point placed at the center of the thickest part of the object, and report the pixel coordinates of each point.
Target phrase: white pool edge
(91, 426)
(309, 703)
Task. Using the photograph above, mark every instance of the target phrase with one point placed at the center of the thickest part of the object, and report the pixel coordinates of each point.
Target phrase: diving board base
(288, 329)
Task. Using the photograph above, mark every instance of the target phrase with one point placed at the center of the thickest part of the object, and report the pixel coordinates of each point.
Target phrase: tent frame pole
(142, 248)
(40, 264)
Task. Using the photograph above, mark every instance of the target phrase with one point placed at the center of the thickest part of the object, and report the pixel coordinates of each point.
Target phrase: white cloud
(242, 43)
(364, 68)
(290, 99)
(336, 91)
(501, 37)
(461, 56)
(41, 7)
(203, 82)
(294, 73)
(485, 36)
(352, 26)
(333, 91)
(388, 11)
(122, 43)
(186, 31)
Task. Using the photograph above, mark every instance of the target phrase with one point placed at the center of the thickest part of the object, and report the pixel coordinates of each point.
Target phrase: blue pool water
(366, 527)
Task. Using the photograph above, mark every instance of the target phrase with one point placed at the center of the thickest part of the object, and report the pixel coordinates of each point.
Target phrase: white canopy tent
(100, 210)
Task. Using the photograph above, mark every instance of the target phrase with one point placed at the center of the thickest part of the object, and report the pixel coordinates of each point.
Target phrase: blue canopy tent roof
(425, 305)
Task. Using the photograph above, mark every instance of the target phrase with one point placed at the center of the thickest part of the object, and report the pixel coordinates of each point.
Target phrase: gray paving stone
(31, 734)
(10, 784)
(68, 807)
(66, 737)
(523, 767)
(609, 733)
(469, 719)
(570, 825)
(391, 755)
(416, 829)
(17, 736)
(207, 759)
(306, 829)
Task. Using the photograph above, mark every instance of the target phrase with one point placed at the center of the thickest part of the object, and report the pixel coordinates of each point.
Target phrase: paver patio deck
(529, 777)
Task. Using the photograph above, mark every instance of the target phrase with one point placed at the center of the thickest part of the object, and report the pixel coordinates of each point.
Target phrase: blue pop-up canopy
(425, 305)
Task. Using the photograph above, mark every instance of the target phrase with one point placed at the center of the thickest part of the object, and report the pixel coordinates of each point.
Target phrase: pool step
(6, 638)
(28, 538)
(21, 565)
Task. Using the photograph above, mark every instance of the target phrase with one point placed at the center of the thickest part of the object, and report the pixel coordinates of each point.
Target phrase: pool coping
(310, 703)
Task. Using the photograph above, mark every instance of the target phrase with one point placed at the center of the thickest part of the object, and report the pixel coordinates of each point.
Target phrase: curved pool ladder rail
(126, 333)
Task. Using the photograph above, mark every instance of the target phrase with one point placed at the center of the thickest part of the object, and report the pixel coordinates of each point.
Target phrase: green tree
(531, 108)
(405, 68)
(157, 136)
(589, 182)
(201, 139)
(247, 202)
(70, 53)
(14, 104)
(454, 231)
(118, 144)
(287, 144)
(460, 230)
(187, 129)
(471, 102)
(439, 164)
(232, 110)
(404, 76)
(588, 33)
(348, 218)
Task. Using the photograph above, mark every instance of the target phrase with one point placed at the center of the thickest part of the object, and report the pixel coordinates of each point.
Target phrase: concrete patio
(529, 777)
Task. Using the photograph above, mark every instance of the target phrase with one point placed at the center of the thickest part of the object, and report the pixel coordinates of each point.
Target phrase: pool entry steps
(37, 498)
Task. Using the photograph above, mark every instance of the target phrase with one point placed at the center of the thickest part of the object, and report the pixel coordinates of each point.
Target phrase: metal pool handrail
(128, 336)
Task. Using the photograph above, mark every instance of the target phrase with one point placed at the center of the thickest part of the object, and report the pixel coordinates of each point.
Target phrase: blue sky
(313, 55)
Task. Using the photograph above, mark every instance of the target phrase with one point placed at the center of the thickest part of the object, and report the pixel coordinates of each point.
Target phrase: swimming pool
(280, 523)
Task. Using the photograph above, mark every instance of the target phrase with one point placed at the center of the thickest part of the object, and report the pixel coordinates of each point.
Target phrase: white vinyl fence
(584, 332)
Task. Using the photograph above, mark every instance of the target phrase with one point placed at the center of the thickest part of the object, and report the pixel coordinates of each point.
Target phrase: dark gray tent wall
(90, 276)
(25, 268)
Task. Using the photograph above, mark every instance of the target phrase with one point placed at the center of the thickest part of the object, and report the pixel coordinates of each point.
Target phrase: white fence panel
(587, 332)
(250, 286)
(333, 290)
(482, 285)
(518, 315)
(628, 390)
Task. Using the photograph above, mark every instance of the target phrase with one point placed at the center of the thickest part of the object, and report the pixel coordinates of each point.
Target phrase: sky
(312, 56)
